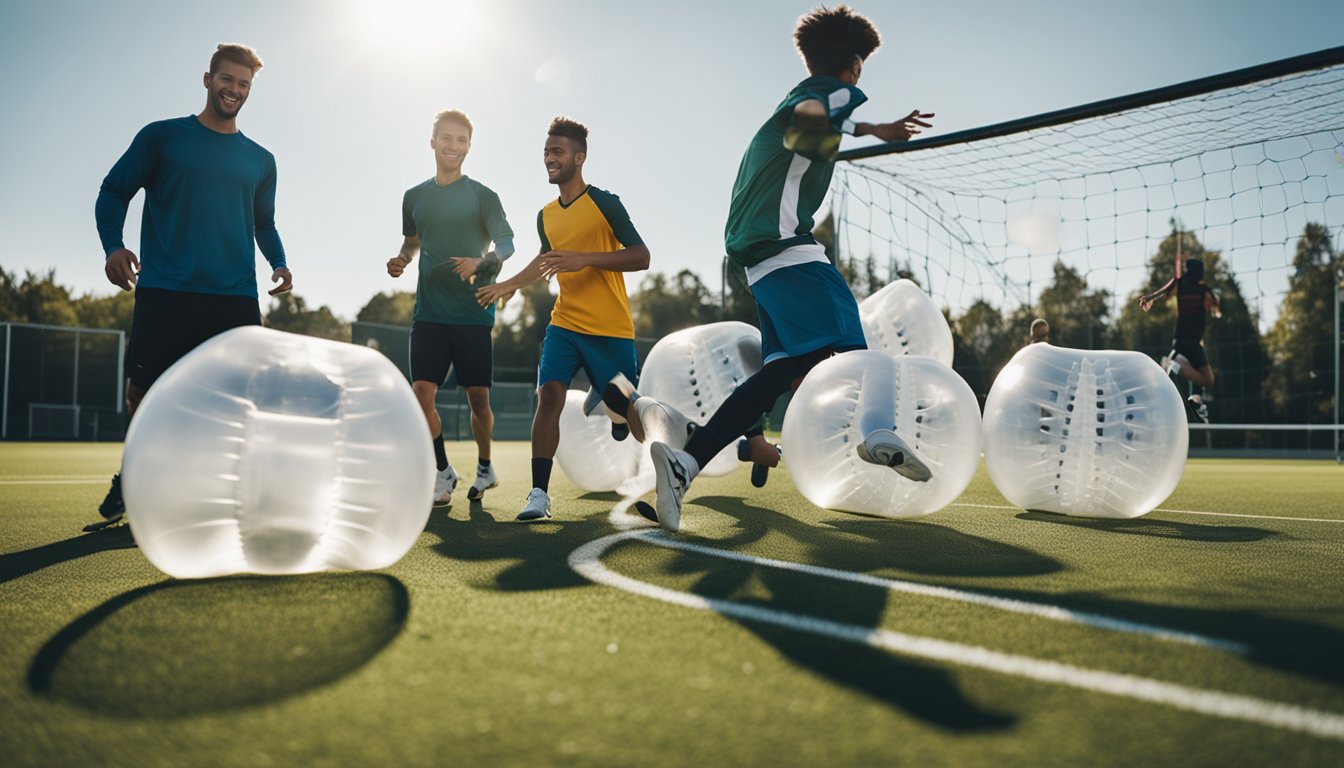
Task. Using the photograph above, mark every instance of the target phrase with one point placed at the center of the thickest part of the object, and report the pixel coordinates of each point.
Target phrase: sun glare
(421, 28)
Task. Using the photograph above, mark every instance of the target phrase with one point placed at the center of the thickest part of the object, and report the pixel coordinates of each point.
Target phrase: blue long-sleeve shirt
(208, 196)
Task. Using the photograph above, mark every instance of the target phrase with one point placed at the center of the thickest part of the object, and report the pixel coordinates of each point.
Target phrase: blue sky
(671, 91)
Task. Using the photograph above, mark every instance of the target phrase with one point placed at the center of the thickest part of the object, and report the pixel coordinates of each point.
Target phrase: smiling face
(451, 142)
(562, 161)
(228, 87)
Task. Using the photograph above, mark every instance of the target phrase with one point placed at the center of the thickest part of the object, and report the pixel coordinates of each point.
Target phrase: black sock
(483, 462)
(743, 408)
(440, 455)
(541, 473)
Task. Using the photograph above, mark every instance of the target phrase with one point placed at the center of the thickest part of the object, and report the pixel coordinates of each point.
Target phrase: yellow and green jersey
(458, 220)
(778, 190)
(591, 300)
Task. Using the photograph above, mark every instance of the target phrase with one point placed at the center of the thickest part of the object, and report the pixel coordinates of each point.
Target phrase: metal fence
(61, 383)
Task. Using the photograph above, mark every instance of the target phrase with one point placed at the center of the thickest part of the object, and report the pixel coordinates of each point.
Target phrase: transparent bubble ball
(273, 453)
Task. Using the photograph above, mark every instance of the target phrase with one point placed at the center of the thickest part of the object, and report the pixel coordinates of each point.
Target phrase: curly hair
(829, 39)
(570, 129)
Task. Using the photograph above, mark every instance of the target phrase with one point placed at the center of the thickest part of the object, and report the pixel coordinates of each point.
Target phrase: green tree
(981, 343)
(390, 308)
(664, 305)
(1076, 314)
(289, 312)
(1301, 383)
(38, 299)
(113, 311)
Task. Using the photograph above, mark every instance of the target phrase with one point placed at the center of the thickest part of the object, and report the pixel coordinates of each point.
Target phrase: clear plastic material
(695, 369)
(273, 453)
(588, 455)
(1084, 432)
(901, 319)
(926, 403)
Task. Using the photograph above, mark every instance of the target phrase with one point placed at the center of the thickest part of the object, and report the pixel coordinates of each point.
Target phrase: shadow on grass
(531, 556)
(183, 648)
(1164, 529)
(16, 564)
(922, 690)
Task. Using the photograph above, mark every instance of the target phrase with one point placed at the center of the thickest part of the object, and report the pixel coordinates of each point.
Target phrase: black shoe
(619, 431)
(113, 509)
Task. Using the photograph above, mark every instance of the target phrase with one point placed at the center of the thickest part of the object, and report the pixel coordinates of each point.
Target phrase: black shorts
(166, 325)
(466, 348)
(1193, 350)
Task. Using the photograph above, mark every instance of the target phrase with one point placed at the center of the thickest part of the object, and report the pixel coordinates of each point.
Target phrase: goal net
(1071, 215)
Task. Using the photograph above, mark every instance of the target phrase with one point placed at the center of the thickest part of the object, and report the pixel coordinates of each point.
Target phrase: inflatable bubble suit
(588, 455)
(267, 452)
(845, 397)
(695, 369)
(1084, 432)
(901, 319)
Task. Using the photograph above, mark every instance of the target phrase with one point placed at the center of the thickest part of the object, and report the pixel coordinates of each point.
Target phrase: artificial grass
(483, 646)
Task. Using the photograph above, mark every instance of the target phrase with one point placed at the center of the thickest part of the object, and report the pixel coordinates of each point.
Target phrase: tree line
(1285, 375)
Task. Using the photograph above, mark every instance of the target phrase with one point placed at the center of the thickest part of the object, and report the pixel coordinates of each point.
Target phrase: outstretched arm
(1211, 303)
(1146, 301)
(504, 289)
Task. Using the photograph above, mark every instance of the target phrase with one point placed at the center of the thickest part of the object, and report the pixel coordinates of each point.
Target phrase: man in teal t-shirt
(209, 205)
(451, 220)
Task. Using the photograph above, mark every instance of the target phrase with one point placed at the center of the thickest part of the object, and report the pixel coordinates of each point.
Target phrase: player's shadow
(183, 648)
(923, 690)
(528, 556)
(1164, 529)
(1291, 645)
(16, 564)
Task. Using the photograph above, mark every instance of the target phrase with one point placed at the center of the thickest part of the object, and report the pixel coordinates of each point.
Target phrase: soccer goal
(1071, 215)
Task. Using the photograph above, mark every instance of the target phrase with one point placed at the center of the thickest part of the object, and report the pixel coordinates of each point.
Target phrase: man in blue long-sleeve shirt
(209, 194)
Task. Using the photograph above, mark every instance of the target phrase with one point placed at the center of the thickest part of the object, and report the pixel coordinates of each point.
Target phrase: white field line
(1174, 512)
(1039, 610)
(586, 560)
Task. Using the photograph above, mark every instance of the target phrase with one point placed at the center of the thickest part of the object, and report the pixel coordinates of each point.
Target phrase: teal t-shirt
(778, 191)
(459, 220)
(208, 197)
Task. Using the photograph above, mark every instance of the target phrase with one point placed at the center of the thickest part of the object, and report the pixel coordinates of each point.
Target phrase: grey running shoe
(537, 506)
(671, 468)
(883, 447)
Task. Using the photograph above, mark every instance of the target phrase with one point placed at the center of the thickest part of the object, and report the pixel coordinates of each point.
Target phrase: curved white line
(586, 560)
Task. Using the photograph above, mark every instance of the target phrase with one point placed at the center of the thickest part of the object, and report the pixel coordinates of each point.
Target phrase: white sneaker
(537, 506)
(485, 480)
(660, 422)
(445, 482)
(674, 470)
(883, 447)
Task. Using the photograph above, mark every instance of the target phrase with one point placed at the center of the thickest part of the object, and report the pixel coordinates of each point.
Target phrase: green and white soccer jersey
(459, 220)
(778, 191)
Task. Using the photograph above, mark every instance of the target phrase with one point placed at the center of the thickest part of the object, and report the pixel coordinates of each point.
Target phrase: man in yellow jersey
(587, 242)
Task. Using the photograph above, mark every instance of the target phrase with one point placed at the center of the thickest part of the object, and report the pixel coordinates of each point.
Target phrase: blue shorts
(564, 351)
(805, 308)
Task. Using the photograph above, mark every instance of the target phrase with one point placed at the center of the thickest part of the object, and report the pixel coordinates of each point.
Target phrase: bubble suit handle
(273, 453)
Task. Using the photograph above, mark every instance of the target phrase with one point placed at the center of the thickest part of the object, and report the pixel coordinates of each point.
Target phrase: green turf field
(1210, 632)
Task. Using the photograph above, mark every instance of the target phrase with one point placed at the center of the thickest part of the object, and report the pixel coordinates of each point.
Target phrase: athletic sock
(483, 462)
(541, 473)
(440, 455)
